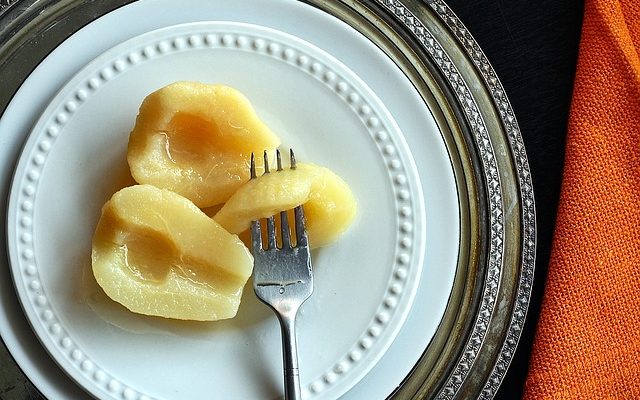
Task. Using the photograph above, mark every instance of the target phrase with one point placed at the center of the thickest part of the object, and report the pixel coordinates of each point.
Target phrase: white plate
(75, 159)
(347, 337)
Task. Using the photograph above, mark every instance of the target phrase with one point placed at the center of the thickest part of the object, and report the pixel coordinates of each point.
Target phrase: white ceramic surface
(74, 318)
(75, 159)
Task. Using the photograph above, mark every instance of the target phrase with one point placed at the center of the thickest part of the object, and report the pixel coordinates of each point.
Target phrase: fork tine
(252, 168)
(271, 233)
(284, 230)
(301, 231)
(292, 158)
(256, 236)
(278, 160)
(266, 162)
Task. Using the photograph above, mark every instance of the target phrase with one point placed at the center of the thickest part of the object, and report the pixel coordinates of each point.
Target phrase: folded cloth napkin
(587, 343)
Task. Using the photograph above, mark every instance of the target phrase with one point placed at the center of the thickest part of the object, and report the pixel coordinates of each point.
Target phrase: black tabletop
(533, 46)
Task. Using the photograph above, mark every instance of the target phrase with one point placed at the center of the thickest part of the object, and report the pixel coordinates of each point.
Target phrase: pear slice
(196, 139)
(157, 254)
(329, 204)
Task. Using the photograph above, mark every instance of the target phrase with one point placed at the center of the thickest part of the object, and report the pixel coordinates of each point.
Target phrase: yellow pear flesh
(329, 204)
(196, 139)
(157, 254)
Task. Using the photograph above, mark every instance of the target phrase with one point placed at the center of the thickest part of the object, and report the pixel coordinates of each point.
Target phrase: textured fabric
(587, 343)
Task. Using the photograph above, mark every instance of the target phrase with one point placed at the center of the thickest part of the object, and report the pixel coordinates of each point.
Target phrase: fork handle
(290, 354)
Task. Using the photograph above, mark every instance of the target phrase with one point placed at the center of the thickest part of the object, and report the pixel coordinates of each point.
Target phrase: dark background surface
(533, 46)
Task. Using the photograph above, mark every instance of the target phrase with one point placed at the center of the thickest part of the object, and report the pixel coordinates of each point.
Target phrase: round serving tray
(476, 337)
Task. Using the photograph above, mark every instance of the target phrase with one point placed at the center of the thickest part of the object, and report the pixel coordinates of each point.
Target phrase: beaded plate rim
(403, 180)
(516, 319)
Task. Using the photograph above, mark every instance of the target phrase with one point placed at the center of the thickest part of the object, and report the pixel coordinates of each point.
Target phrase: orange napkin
(587, 344)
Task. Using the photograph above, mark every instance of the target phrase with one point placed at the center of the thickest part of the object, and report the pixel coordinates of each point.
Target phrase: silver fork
(282, 276)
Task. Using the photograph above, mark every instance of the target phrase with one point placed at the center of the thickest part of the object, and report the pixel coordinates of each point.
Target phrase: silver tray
(477, 337)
